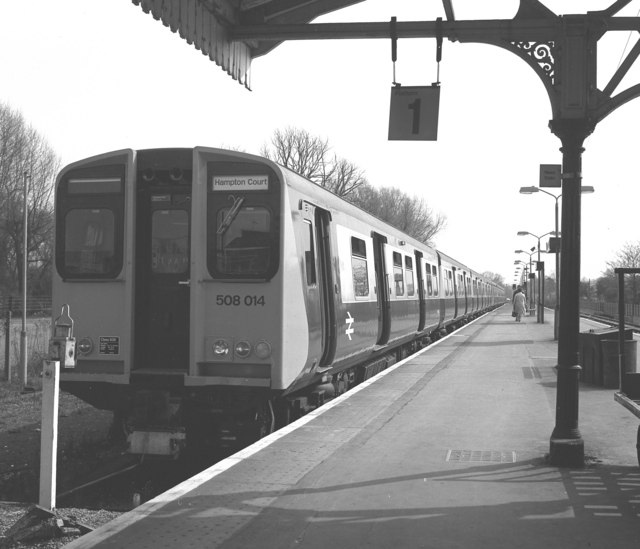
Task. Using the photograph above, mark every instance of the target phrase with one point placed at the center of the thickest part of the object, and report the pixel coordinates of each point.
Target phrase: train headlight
(221, 347)
(243, 349)
(263, 349)
(85, 346)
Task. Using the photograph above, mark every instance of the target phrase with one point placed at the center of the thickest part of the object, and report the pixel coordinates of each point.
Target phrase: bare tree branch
(24, 151)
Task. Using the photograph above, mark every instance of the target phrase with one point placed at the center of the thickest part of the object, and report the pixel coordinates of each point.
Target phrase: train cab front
(169, 260)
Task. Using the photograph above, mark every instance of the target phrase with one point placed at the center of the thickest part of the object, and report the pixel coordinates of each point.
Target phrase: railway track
(610, 321)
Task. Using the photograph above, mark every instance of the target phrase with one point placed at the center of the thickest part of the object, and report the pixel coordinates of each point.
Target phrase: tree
(410, 214)
(310, 157)
(495, 277)
(299, 151)
(25, 154)
(607, 285)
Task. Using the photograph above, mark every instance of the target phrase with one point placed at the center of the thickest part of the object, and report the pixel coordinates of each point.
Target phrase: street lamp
(532, 293)
(520, 277)
(584, 189)
(25, 250)
(540, 277)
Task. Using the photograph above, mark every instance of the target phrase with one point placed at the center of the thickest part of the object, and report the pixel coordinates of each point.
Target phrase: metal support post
(541, 275)
(556, 313)
(25, 250)
(49, 433)
(566, 444)
(7, 342)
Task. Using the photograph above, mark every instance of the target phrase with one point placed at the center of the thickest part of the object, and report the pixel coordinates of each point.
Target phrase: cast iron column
(567, 446)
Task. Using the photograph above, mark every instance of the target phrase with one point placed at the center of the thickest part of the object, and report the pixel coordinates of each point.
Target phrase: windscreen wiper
(231, 215)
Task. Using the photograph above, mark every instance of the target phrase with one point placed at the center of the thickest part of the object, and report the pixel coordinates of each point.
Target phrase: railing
(610, 310)
(36, 306)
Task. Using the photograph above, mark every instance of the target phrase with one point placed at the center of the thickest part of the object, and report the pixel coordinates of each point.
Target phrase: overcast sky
(100, 75)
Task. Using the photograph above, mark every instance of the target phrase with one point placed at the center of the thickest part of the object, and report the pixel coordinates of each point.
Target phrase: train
(216, 295)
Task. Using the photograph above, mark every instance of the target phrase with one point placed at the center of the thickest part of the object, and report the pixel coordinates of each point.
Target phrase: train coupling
(157, 443)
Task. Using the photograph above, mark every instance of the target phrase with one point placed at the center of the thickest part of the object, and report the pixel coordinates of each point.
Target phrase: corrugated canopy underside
(206, 24)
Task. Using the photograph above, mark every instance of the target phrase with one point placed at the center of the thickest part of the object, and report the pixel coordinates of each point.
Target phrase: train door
(327, 286)
(382, 289)
(421, 291)
(319, 295)
(456, 294)
(467, 293)
(162, 272)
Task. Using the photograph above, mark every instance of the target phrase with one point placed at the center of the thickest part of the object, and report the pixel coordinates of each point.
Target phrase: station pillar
(566, 444)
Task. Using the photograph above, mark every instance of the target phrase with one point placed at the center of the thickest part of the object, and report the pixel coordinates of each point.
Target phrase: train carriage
(212, 289)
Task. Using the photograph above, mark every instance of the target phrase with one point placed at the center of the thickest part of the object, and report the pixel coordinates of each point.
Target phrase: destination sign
(240, 183)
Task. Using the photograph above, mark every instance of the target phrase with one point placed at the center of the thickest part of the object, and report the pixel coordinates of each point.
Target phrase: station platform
(446, 449)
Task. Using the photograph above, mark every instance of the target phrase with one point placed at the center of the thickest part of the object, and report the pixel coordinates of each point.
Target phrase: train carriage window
(436, 284)
(398, 278)
(359, 267)
(408, 269)
(170, 242)
(429, 279)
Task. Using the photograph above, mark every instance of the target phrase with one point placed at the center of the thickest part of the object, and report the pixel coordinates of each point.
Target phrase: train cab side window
(436, 286)
(359, 267)
(398, 278)
(408, 269)
(309, 255)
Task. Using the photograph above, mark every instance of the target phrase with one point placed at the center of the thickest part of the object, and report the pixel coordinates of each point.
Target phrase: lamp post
(532, 293)
(25, 251)
(518, 276)
(584, 189)
(540, 317)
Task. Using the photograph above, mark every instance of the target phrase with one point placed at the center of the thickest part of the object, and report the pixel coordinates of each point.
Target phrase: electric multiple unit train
(216, 294)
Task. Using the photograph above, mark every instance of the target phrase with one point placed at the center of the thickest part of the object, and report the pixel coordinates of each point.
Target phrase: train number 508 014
(236, 300)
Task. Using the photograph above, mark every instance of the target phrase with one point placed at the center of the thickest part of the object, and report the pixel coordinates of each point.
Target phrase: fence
(36, 306)
(38, 329)
(601, 308)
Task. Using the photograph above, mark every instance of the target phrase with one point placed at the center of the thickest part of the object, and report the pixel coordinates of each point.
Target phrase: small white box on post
(49, 433)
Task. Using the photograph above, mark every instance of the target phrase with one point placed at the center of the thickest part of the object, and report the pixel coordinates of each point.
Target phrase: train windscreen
(243, 221)
(90, 205)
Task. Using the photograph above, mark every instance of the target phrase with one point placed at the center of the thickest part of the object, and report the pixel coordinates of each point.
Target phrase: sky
(100, 75)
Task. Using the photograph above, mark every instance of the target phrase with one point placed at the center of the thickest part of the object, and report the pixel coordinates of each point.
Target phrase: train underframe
(166, 419)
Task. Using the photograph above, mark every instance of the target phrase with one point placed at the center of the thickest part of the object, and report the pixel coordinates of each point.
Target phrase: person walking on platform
(519, 304)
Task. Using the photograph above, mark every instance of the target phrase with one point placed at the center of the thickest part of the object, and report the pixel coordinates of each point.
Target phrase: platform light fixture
(584, 189)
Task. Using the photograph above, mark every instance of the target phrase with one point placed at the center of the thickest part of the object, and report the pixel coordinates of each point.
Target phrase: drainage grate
(481, 456)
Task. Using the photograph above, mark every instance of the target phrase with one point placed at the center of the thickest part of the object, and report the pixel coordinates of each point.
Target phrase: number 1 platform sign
(414, 113)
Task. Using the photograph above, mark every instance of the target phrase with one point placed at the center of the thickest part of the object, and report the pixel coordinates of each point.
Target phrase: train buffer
(444, 449)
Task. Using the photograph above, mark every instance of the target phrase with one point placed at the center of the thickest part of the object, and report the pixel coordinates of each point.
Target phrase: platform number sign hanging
(414, 113)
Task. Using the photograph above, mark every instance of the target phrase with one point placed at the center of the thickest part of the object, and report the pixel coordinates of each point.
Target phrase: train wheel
(118, 430)
(264, 420)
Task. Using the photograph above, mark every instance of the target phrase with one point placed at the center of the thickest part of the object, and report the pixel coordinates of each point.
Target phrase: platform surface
(445, 450)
